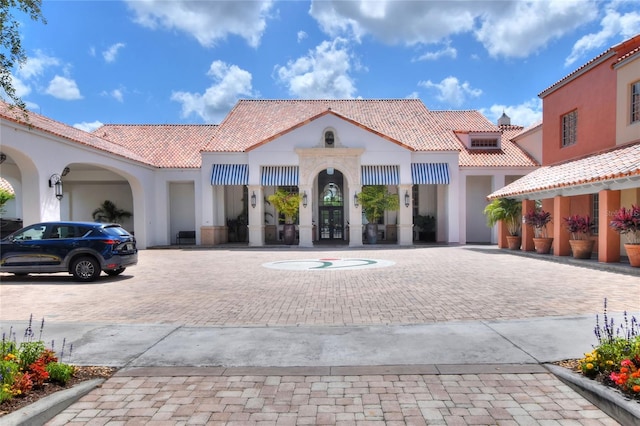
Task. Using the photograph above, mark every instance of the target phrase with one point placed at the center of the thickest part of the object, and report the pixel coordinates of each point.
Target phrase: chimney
(504, 120)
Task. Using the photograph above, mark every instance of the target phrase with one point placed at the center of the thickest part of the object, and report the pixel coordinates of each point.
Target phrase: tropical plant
(287, 203)
(375, 200)
(108, 212)
(5, 196)
(580, 227)
(538, 220)
(627, 222)
(507, 210)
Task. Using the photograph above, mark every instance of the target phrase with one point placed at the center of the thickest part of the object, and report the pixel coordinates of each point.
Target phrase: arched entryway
(331, 217)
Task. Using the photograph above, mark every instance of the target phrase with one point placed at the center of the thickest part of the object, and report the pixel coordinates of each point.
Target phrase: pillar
(256, 216)
(561, 208)
(305, 228)
(527, 231)
(405, 217)
(608, 239)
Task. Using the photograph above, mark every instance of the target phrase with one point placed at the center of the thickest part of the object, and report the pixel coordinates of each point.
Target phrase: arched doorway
(331, 205)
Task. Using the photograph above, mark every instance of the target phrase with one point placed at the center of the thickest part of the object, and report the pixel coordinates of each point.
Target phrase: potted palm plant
(538, 220)
(109, 212)
(288, 204)
(375, 199)
(627, 222)
(580, 227)
(508, 211)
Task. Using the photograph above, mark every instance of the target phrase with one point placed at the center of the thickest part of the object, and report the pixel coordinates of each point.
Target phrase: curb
(624, 410)
(50, 406)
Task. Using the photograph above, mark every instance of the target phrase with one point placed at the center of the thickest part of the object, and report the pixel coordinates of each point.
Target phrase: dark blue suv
(80, 248)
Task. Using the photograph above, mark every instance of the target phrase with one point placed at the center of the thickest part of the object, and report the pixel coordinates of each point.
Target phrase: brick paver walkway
(470, 399)
(231, 288)
(227, 287)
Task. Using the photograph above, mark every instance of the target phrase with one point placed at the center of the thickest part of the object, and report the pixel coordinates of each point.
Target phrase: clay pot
(542, 245)
(581, 249)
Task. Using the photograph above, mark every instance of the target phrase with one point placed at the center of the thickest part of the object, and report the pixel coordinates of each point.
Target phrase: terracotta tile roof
(407, 122)
(163, 145)
(65, 131)
(619, 162)
(509, 154)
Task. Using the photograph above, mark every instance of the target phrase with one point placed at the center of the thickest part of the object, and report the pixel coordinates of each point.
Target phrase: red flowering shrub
(38, 373)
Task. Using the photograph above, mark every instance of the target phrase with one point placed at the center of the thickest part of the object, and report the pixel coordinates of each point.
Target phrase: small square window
(569, 128)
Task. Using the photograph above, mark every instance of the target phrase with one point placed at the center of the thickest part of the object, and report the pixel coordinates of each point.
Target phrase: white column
(256, 216)
(355, 218)
(405, 217)
(305, 229)
(498, 182)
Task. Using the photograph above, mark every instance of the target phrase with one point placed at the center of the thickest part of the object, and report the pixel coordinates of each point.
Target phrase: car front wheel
(115, 272)
(85, 269)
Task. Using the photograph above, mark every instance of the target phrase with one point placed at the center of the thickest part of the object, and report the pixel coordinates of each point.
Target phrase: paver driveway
(230, 287)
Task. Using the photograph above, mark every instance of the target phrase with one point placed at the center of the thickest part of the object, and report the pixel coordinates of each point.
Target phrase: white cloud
(505, 28)
(302, 35)
(207, 21)
(518, 29)
(88, 127)
(451, 91)
(110, 54)
(523, 114)
(36, 65)
(446, 51)
(612, 24)
(395, 22)
(230, 83)
(63, 88)
(116, 94)
(322, 74)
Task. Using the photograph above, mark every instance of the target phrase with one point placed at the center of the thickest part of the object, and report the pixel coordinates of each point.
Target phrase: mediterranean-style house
(215, 179)
(590, 150)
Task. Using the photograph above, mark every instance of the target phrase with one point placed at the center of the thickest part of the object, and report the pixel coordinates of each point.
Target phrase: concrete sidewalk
(530, 341)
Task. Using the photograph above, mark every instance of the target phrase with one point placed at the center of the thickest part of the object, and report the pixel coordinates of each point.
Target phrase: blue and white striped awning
(430, 173)
(380, 175)
(279, 176)
(230, 174)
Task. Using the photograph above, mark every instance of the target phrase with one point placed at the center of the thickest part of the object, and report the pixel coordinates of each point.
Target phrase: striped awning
(380, 175)
(279, 176)
(230, 174)
(430, 173)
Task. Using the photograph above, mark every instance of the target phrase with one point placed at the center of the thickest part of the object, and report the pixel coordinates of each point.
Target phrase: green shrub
(29, 352)
(59, 372)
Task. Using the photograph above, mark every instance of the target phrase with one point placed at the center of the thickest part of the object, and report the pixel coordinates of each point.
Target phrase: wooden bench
(186, 235)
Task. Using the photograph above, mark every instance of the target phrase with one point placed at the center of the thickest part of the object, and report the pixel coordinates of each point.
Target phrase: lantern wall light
(304, 199)
(55, 182)
(253, 200)
(407, 199)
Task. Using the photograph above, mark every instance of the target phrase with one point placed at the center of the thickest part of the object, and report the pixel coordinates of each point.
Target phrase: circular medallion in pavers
(327, 264)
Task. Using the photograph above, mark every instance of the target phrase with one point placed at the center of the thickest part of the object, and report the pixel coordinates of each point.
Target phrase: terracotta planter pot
(542, 245)
(581, 249)
(633, 252)
(514, 242)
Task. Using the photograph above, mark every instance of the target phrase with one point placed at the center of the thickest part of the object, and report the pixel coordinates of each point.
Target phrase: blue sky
(188, 62)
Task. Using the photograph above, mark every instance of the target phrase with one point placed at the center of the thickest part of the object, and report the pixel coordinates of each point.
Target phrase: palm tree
(108, 212)
(507, 210)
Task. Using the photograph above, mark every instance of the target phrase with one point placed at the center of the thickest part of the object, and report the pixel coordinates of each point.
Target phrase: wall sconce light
(253, 200)
(304, 199)
(55, 181)
(407, 199)
(3, 157)
(65, 171)
(355, 200)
